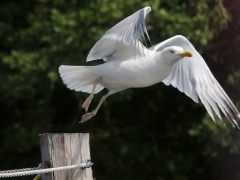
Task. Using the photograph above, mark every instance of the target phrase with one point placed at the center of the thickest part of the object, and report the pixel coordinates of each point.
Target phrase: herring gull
(129, 64)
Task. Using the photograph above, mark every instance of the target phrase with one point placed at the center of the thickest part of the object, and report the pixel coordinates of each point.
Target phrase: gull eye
(172, 51)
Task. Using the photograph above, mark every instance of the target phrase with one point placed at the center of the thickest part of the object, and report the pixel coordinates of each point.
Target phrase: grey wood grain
(62, 150)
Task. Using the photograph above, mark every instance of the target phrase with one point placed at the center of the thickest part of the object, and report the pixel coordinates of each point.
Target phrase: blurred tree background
(149, 133)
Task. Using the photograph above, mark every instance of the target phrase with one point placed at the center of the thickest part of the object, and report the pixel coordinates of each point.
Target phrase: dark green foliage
(150, 133)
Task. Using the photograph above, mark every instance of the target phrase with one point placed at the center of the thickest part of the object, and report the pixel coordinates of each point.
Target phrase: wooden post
(62, 150)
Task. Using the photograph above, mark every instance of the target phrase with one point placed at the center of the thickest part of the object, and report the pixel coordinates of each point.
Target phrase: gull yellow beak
(186, 54)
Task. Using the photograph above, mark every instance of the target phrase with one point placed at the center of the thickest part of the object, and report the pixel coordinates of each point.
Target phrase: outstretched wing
(122, 40)
(193, 77)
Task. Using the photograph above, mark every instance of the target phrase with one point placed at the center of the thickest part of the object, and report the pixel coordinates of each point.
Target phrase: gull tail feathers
(79, 78)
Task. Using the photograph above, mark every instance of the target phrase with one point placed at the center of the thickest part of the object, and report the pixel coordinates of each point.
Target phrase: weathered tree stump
(63, 150)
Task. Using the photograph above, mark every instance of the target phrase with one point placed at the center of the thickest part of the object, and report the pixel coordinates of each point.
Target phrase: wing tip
(236, 124)
(147, 9)
(196, 100)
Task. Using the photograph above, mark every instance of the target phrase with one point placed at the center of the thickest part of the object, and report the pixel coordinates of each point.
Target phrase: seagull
(129, 64)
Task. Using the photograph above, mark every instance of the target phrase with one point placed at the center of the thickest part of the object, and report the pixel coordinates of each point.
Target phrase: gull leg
(89, 115)
(89, 99)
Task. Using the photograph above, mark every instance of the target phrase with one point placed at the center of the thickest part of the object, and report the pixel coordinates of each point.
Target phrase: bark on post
(63, 150)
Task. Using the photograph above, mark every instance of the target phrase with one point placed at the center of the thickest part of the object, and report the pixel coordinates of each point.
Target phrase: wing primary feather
(206, 104)
(199, 89)
(228, 100)
(227, 103)
(207, 86)
(148, 9)
(221, 103)
(223, 107)
(218, 100)
(213, 104)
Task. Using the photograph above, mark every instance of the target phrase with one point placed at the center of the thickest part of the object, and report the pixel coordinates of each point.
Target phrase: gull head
(172, 54)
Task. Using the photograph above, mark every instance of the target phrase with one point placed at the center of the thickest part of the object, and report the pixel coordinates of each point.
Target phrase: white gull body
(121, 74)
